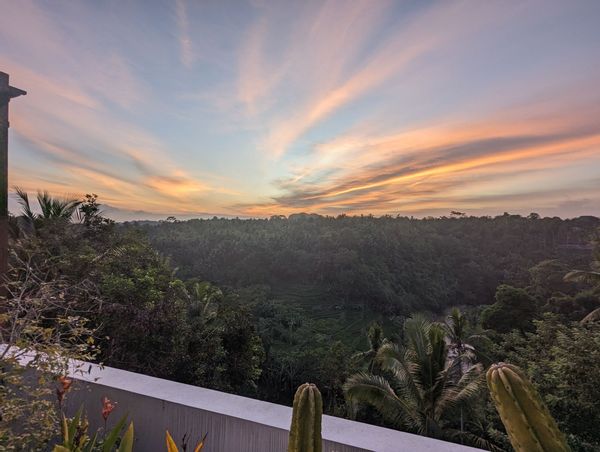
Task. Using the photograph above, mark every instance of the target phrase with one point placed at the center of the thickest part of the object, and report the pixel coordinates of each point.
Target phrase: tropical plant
(462, 343)
(563, 362)
(460, 346)
(529, 424)
(593, 316)
(172, 447)
(41, 331)
(51, 208)
(456, 328)
(376, 340)
(305, 431)
(418, 392)
(514, 309)
(76, 438)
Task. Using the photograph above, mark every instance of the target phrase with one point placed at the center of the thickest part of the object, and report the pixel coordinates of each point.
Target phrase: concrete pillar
(7, 92)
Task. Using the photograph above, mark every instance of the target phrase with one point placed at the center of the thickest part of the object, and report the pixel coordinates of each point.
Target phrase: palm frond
(394, 358)
(45, 202)
(593, 316)
(467, 388)
(374, 390)
(585, 276)
(416, 331)
(456, 326)
(471, 439)
(23, 200)
(55, 207)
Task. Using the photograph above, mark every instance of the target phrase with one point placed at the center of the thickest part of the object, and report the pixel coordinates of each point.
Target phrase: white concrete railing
(233, 423)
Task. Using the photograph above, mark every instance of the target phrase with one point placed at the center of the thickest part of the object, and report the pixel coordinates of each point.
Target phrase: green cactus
(305, 432)
(530, 426)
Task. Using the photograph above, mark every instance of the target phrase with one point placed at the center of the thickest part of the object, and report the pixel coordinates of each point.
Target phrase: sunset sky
(194, 108)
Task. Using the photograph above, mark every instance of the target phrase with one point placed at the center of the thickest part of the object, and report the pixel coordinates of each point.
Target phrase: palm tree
(456, 333)
(376, 340)
(419, 392)
(51, 208)
(460, 346)
(203, 296)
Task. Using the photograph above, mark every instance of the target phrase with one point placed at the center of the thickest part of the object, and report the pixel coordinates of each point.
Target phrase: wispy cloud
(69, 122)
(458, 166)
(336, 56)
(185, 42)
(259, 108)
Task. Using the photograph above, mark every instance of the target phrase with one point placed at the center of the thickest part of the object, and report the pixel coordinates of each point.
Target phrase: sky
(197, 108)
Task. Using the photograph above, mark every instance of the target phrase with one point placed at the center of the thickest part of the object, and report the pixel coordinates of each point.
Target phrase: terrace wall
(233, 423)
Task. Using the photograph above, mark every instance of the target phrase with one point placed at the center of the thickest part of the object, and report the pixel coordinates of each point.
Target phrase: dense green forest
(391, 265)
(258, 307)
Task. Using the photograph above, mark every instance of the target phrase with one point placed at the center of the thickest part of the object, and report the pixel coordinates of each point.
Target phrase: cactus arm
(519, 431)
(528, 422)
(317, 422)
(305, 431)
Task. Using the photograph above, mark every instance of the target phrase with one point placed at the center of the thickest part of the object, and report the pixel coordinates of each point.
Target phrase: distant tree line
(394, 265)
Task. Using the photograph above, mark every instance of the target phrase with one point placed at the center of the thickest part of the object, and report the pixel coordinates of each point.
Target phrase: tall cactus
(529, 424)
(305, 432)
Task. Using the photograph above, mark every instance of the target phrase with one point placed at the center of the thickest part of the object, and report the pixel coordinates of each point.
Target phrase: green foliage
(305, 431)
(530, 426)
(590, 276)
(145, 309)
(41, 329)
(394, 265)
(563, 360)
(376, 340)
(548, 278)
(514, 309)
(76, 437)
(291, 300)
(572, 307)
(418, 391)
(144, 318)
(52, 209)
(298, 349)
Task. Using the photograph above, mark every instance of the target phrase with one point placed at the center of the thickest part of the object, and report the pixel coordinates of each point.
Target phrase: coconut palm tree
(51, 208)
(455, 327)
(376, 340)
(418, 392)
(460, 346)
(461, 343)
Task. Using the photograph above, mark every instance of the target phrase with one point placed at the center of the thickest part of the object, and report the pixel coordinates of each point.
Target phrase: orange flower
(65, 385)
(107, 407)
(65, 382)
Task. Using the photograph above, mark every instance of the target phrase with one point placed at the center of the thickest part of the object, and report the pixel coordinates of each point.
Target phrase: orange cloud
(445, 167)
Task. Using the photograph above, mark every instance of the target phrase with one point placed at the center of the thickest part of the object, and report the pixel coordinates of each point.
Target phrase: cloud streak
(454, 168)
(185, 42)
(264, 108)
